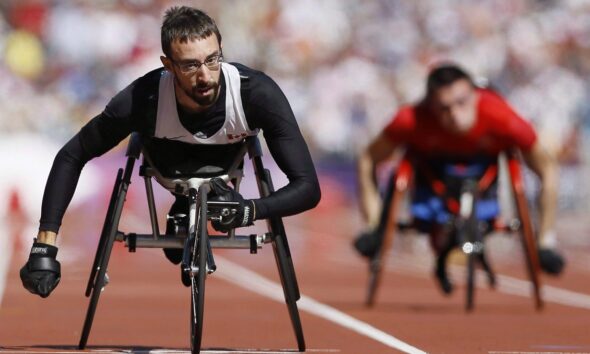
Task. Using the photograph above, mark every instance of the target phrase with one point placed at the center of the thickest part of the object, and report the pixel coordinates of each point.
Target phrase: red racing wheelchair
(464, 222)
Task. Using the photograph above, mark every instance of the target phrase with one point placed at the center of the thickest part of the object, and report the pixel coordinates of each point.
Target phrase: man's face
(199, 85)
(455, 106)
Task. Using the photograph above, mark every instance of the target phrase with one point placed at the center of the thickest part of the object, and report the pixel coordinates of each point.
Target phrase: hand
(368, 243)
(551, 261)
(244, 212)
(41, 274)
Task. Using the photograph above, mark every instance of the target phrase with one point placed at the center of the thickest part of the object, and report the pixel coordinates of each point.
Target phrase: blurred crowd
(345, 65)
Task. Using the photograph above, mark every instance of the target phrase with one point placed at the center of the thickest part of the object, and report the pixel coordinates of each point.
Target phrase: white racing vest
(234, 129)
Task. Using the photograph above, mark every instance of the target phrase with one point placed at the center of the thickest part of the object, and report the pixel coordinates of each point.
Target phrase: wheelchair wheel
(471, 240)
(527, 235)
(470, 281)
(291, 293)
(98, 278)
(388, 225)
(198, 261)
(283, 260)
(376, 262)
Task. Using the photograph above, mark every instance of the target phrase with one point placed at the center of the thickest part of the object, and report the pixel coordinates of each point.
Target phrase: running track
(145, 307)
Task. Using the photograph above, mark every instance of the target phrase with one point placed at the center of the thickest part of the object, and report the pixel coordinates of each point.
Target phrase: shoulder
(149, 82)
(257, 83)
(405, 118)
(133, 101)
(494, 107)
(402, 125)
(145, 85)
(502, 120)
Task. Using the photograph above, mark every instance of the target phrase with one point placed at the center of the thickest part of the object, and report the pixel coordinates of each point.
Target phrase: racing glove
(41, 274)
(551, 261)
(241, 215)
(367, 243)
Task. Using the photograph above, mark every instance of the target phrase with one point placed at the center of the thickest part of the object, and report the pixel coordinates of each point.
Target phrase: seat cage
(182, 186)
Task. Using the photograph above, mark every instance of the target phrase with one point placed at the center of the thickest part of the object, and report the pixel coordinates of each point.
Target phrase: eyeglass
(212, 63)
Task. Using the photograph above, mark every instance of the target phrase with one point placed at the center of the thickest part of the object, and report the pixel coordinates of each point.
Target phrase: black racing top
(134, 109)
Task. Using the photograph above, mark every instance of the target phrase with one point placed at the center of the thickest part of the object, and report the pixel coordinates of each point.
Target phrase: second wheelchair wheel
(199, 263)
(470, 237)
(470, 281)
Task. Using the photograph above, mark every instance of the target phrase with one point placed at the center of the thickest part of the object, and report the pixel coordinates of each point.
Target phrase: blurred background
(345, 65)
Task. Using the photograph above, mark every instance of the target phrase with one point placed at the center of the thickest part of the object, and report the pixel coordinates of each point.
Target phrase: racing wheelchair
(193, 239)
(465, 225)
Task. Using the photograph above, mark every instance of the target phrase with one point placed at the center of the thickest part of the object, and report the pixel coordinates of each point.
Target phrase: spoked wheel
(198, 273)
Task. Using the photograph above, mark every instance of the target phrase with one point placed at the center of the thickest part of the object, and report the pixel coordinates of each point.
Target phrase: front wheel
(198, 273)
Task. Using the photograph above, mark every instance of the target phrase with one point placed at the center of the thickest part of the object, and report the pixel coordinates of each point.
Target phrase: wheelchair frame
(197, 261)
(471, 234)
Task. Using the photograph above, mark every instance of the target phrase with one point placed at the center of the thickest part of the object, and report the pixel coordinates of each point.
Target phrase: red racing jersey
(497, 128)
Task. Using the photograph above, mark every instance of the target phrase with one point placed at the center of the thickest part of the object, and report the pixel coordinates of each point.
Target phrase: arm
(101, 134)
(270, 111)
(545, 166)
(370, 202)
(42, 272)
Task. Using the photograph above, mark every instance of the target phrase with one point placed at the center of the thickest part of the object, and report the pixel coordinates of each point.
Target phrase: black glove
(551, 261)
(41, 274)
(244, 212)
(368, 243)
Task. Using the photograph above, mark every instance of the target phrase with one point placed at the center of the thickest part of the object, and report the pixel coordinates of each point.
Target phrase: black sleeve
(100, 135)
(269, 110)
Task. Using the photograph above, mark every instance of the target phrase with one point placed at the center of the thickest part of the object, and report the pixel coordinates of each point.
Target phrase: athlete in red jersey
(495, 127)
(458, 120)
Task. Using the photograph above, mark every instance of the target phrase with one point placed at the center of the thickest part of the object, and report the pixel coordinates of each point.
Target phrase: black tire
(470, 288)
(284, 261)
(291, 293)
(471, 234)
(102, 260)
(375, 265)
(199, 259)
(374, 278)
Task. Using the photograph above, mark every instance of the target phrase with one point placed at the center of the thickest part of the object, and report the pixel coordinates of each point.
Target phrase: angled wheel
(198, 267)
(470, 284)
(527, 236)
(282, 255)
(387, 226)
(98, 278)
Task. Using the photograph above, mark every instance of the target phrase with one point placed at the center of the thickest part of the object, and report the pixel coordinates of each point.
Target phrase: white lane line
(549, 293)
(254, 282)
(403, 264)
(407, 264)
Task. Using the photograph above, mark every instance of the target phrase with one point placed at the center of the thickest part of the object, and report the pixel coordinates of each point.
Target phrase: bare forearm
(47, 237)
(544, 164)
(548, 204)
(370, 201)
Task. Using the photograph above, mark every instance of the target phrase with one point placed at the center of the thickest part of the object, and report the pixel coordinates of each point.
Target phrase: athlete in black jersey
(191, 113)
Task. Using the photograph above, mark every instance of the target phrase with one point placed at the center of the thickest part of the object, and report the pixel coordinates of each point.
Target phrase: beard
(195, 93)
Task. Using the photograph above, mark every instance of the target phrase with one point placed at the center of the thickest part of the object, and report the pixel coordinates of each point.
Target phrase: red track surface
(145, 307)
